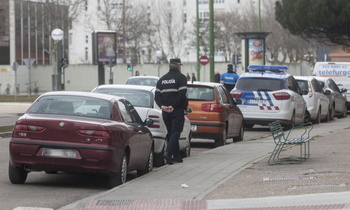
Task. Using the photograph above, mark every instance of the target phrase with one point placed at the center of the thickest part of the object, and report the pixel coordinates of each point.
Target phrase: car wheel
(187, 151)
(331, 113)
(159, 158)
(241, 134)
(345, 112)
(292, 122)
(120, 177)
(249, 125)
(17, 175)
(318, 117)
(307, 117)
(327, 118)
(221, 141)
(149, 167)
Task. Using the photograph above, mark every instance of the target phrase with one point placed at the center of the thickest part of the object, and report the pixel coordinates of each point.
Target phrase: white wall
(85, 77)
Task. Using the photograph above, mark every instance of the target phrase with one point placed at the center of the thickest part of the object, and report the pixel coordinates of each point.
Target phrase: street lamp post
(57, 36)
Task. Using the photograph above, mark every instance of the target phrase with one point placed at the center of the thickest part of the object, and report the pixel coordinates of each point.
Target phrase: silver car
(337, 98)
(142, 98)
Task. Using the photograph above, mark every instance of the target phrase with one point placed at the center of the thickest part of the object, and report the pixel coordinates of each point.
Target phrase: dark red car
(81, 132)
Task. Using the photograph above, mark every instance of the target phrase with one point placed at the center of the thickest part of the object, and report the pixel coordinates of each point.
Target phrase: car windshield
(200, 93)
(259, 84)
(72, 105)
(142, 81)
(138, 98)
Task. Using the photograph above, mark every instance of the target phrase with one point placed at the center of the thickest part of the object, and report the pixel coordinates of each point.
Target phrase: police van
(339, 72)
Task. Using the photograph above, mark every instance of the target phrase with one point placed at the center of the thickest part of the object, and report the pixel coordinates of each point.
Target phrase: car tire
(292, 122)
(307, 117)
(221, 141)
(331, 113)
(159, 158)
(345, 112)
(241, 134)
(120, 177)
(149, 166)
(318, 117)
(249, 125)
(17, 175)
(187, 151)
(327, 118)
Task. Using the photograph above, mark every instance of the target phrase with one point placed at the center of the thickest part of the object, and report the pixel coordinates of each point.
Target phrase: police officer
(229, 78)
(171, 97)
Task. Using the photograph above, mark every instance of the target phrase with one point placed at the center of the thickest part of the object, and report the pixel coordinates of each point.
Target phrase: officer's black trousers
(174, 123)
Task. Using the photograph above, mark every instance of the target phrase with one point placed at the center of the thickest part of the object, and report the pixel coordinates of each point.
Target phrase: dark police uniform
(171, 91)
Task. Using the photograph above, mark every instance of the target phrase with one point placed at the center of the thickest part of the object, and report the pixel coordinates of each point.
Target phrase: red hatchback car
(214, 113)
(81, 132)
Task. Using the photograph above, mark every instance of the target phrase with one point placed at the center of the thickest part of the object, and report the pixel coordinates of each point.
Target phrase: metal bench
(283, 139)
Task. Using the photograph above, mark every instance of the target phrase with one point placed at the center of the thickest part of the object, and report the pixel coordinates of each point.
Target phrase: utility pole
(124, 53)
(211, 39)
(197, 43)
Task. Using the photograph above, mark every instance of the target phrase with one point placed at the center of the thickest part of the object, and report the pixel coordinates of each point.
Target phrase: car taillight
(236, 93)
(156, 121)
(95, 133)
(281, 96)
(211, 107)
(23, 131)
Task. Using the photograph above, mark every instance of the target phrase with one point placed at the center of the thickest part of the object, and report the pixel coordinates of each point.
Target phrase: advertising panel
(106, 47)
(256, 51)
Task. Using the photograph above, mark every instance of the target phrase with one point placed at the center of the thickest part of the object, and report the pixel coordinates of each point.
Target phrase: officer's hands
(167, 108)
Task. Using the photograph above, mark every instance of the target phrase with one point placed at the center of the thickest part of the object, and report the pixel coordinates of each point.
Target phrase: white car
(316, 99)
(143, 80)
(268, 93)
(142, 98)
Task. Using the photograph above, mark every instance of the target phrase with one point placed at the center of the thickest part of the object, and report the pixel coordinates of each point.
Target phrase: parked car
(143, 80)
(337, 98)
(268, 93)
(142, 97)
(317, 101)
(81, 132)
(214, 113)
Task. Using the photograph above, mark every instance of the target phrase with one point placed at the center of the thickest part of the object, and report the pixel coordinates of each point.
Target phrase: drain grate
(316, 186)
(114, 202)
(266, 179)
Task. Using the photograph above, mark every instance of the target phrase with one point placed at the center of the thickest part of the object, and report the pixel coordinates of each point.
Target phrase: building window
(185, 18)
(184, 3)
(86, 5)
(70, 38)
(87, 39)
(86, 53)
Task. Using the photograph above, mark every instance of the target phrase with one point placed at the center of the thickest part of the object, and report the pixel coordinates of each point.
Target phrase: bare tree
(169, 29)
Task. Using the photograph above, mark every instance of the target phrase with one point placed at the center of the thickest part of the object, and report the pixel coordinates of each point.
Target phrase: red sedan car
(81, 132)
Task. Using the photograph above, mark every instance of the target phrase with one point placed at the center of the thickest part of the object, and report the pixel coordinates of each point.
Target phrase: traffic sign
(203, 60)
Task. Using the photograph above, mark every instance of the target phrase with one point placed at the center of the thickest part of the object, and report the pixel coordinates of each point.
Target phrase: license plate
(62, 153)
(254, 101)
(193, 127)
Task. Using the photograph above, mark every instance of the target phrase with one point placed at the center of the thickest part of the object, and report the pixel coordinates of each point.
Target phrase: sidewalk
(237, 176)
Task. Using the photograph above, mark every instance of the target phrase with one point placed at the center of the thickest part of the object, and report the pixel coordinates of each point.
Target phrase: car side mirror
(188, 110)
(327, 92)
(343, 90)
(304, 92)
(148, 122)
